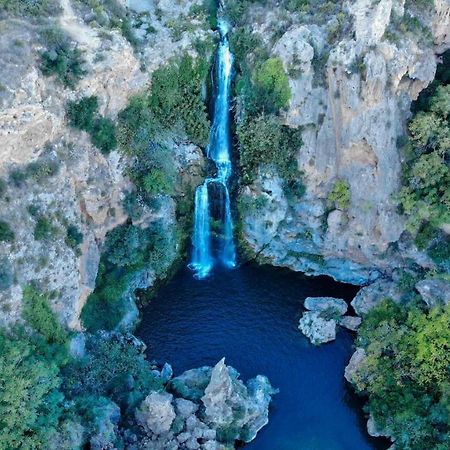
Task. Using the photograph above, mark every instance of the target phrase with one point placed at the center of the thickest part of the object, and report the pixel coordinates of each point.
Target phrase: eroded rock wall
(89, 188)
(351, 95)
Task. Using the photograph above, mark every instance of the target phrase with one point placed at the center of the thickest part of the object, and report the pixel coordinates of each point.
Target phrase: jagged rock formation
(351, 95)
(88, 188)
(210, 408)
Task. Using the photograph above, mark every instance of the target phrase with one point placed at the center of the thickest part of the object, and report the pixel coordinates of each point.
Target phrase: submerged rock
(326, 304)
(317, 328)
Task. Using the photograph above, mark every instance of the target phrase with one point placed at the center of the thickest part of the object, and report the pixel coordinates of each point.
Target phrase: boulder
(156, 413)
(350, 322)
(185, 408)
(354, 364)
(317, 329)
(166, 373)
(326, 304)
(435, 292)
(370, 296)
(191, 384)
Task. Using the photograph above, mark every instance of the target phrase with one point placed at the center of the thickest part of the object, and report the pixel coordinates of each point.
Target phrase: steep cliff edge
(353, 73)
(53, 177)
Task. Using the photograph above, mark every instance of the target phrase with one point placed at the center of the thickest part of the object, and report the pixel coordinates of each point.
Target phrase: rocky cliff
(353, 75)
(50, 170)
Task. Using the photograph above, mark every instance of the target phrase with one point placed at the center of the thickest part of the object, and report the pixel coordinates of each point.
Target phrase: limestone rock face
(370, 296)
(326, 303)
(88, 189)
(435, 292)
(229, 402)
(351, 95)
(316, 328)
(156, 412)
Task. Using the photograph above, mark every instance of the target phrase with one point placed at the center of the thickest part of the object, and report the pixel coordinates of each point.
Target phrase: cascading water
(219, 149)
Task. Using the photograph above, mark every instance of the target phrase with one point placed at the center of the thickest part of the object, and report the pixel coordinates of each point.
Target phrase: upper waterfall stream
(219, 151)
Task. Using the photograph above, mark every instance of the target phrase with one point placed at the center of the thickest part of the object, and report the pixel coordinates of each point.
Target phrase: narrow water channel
(250, 316)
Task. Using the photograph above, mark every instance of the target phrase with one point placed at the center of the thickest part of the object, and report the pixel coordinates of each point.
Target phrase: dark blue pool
(250, 316)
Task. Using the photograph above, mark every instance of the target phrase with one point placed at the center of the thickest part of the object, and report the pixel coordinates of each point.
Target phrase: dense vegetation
(406, 374)
(425, 197)
(146, 131)
(30, 7)
(129, 252)
(61, 57)
(83, 114)
(262, 87)
(49, 399)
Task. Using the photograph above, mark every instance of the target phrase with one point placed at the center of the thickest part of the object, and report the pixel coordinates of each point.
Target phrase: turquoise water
(250, 316)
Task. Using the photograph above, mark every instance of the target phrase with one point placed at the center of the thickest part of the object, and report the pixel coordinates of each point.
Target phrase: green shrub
(109, 364)
(17, 177)
(30, 7)
(264, 140)
(74, 237)
(157, 182)
(6, 274)
(406, 373)
(103, 135)
(264, 89)
(340, 195)
(128, 250)
(176, 97)
(81, 113)
(41, 169)
(37, 312)
(425, 196)
(3, 187)
(6, 233)
(30, 403)
(272, 86)
(61, 58)
(44, 229)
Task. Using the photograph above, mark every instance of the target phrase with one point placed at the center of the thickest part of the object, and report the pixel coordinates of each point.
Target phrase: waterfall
(219, 151)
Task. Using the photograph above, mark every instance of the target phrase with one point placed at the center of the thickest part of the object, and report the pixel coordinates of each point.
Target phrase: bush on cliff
(6, 233)
(425, 197)
(264, 140)
(83, 114)
(128, 250)
(406, 374)
(61, 58)
(30, 7)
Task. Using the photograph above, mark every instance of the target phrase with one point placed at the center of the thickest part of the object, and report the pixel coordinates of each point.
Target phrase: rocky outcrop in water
(208, 408)
(352, 86)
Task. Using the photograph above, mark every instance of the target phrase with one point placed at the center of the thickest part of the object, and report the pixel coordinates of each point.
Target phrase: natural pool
(250, 316)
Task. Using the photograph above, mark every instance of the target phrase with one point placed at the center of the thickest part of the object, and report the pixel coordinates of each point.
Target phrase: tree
(30, 403)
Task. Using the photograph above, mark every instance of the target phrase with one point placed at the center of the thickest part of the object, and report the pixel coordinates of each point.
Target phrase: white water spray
(219, 150)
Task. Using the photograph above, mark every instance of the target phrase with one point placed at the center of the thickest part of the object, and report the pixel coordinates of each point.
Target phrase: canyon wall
(86, 188)
(353, 77)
